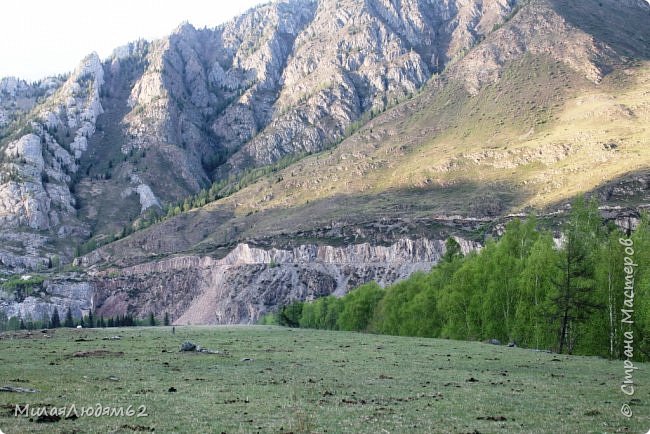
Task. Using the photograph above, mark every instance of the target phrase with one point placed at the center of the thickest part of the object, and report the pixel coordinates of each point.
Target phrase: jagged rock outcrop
(250, 281)
(60, 294)
(36, 167)
(121, 139)
(159, 120)
(357, 58)
(18, 97)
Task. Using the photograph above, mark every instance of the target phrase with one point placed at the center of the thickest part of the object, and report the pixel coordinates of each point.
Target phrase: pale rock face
(61, 294)
(29, 149)
(290, 77)
(11, 86)
(147, 198)
(36, 169)
(250, 281)
(25, 202)
(483, 65)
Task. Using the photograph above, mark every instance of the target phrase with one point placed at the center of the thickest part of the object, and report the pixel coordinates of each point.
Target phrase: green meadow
(278, 380)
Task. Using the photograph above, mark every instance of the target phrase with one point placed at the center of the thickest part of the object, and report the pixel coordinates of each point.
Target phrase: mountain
(376, 124)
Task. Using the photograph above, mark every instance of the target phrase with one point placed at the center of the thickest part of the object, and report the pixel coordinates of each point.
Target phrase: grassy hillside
(312, 381)
(534, 139)
(541, 131)
(549, 105)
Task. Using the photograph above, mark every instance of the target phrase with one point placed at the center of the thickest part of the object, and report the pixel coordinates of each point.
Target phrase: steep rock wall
(251, 281)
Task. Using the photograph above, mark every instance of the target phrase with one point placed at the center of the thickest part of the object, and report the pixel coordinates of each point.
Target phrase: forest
(583, 292)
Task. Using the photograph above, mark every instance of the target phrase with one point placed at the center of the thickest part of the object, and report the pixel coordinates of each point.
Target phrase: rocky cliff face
(250, 281)
(38, 159)
(159, 120)
(83, 155)
(61, 294)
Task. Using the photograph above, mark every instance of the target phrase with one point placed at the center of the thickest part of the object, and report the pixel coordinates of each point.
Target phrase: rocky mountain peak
(317, 123)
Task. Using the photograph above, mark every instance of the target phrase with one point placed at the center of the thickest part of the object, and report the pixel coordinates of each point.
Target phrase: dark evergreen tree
(289, 316)
(575, 297)
(55, 321)
(44, 321)
(91, 321)
(68, 322)
(152, 319)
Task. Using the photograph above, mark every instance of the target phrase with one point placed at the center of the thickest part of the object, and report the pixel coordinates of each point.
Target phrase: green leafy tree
(502, 265)
(391, 310)
(641, 302)
(358, 307)
(537, 282)
(461, 299)
(452, 250)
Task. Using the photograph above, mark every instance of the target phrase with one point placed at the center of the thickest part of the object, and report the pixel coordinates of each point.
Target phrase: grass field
(275, 380)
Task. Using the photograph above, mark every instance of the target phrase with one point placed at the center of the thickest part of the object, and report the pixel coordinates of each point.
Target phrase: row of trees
(87, 321)
(218, 190)
(570, 296)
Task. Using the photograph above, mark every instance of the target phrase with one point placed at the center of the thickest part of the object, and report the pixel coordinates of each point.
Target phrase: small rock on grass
(17, 389)
(188, 346)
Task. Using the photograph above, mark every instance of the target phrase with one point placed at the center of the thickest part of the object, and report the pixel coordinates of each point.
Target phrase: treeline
(589, 295)
(227, 187)
(87, 321)
(218, 190)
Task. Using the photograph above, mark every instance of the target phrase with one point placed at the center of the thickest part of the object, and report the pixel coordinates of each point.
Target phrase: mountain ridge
(398, 116)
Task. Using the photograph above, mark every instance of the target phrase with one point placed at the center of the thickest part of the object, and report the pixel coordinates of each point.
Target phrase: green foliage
(268, 319)
(289, 316)
(575, 297)
(22, 287)
(359, 306)
(452, 250)
(521, 288)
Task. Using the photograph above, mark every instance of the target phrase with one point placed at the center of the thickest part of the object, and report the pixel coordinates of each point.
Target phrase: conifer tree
(575, 297)
(68, 322)
(55, 321)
